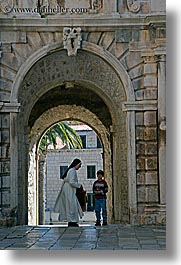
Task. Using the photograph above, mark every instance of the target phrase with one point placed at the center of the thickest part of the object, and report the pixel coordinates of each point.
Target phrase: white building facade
(59, 159)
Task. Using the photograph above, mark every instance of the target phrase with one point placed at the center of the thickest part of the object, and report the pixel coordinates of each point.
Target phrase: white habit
(67, 203)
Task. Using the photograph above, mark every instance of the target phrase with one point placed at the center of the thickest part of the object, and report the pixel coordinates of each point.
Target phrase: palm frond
(63, 131)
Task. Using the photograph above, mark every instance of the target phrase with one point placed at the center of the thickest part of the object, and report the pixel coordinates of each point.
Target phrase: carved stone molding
(9, 107)
(140, 105)
(6, 6)
(72, 40)
(133, 6)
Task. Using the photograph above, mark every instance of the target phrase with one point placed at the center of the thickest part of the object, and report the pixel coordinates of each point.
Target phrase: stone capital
(140, 105)
(9, 107)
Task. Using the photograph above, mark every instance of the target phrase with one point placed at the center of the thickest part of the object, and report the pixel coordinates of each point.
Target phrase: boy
(100, 188)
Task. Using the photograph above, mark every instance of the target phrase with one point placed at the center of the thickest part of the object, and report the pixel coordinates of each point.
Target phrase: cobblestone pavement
(84, 237)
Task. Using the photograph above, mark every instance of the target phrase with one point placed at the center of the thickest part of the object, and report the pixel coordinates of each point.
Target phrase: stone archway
(92, 70)
(52, 116)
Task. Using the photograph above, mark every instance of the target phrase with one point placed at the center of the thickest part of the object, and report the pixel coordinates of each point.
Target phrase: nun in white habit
(67, 204)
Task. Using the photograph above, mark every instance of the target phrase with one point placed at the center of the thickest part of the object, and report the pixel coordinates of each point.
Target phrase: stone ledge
(107, 21)
(140, 105)
(9, 107)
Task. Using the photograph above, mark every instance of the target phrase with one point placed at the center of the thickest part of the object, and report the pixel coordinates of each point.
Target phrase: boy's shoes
(97, 224)
(73, 224)
(104, 223)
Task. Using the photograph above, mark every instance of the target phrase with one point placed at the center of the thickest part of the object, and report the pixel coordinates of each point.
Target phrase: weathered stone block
(151, 149)
(152, 194)
(135, 72)
(23, 50)
(119, 49)
(6, 47)
(5, 136)
(76, 4)
(139, 133)
(140, 148)
(5, 168)
(141, 194)
(123, 35)
(34, 40)
(7, 73)
(151, 163)
(140, 165)
(5, 121)
(11, 59)
(158, 6)
(7, 85)
(94, 37)
(47, 37)
(150, 134)
(5, 197)
(140, 178)
(139, 94)
(107, 39)
(151, 178)
(150, 93)
(13, 36)
(150, 68)
(5, 151)
(6, 181)
(5, 96)
(132, 59)
(150, 118)
(150, 81)
(139, 118)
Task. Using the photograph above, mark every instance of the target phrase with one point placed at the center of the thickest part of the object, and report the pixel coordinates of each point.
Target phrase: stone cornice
(9, 107)
(104, 23)
(140, 105)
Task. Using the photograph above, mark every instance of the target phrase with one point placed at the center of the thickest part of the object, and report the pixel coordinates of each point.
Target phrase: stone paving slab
(85, 237)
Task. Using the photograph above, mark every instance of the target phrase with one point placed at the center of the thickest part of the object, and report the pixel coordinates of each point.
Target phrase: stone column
(162, 124)
(132, 108)
(132, 165)
(9, 158)
(14, 159)
(41, 188)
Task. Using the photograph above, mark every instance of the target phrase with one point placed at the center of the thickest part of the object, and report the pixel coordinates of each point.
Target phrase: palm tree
(62, 130)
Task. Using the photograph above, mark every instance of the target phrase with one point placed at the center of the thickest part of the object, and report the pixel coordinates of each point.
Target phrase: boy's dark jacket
(100, 185)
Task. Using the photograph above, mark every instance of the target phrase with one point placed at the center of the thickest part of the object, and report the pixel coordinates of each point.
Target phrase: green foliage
(68, 136)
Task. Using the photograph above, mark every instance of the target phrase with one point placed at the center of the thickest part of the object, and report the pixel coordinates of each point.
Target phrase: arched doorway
(92, 89)
(54, 160)
(53, 115)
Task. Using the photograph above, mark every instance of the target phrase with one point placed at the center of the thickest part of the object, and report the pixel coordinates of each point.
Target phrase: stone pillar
(8, 163)
(132, 165)
(14, 159)
(136, 154)
(41, 188)
(162, 125)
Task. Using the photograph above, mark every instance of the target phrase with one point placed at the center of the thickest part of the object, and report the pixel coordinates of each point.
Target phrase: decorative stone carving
(96, 5)
(133, 6)
(6, 6)
(162, 126)
(72, 40)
